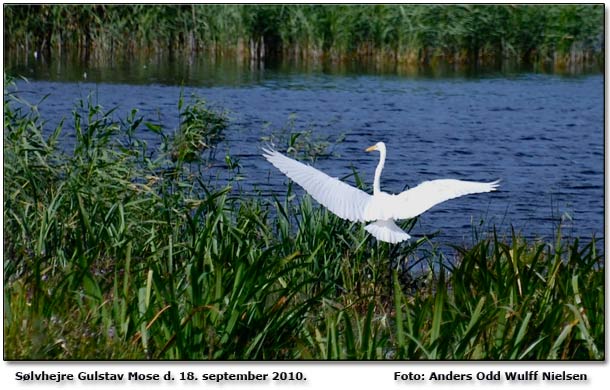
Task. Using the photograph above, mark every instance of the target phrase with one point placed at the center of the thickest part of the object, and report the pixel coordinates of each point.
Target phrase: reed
(115, 251)
(557, 33)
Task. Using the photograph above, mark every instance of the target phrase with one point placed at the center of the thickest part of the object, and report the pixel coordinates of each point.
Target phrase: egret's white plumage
(356, 205)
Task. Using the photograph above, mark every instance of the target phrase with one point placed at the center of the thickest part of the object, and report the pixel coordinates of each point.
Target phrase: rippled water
(542, 135)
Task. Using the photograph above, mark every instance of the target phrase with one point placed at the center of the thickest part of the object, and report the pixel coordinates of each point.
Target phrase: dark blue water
(542, 135)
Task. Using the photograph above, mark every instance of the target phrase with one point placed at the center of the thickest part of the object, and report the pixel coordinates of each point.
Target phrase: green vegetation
(200, 128)
(558, 33)
(114, 251)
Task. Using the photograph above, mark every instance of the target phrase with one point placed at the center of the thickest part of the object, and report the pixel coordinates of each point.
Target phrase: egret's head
(378, 146)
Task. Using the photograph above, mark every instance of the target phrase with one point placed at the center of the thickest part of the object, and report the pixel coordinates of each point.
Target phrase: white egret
(382, 208)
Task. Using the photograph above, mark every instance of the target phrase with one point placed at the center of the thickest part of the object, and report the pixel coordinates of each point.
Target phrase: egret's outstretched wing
(342, 199)
(413, 202)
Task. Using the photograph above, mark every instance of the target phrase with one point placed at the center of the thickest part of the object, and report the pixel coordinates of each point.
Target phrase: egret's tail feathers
(387, 230)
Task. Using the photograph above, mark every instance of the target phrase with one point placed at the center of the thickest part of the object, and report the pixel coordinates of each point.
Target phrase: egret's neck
(376, 185)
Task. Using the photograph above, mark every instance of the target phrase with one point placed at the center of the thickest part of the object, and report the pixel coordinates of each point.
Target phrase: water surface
(541, 134)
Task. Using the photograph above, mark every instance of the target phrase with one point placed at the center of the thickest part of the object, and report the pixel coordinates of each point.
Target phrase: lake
(541, 134)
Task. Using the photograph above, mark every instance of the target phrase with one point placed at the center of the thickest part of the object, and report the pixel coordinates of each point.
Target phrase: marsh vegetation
(113, 250)
(562, 35)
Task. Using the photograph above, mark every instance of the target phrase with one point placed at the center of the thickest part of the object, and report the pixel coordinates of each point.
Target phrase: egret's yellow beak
(371, 148)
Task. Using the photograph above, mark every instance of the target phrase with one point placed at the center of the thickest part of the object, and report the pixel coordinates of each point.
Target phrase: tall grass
(114, 251)
(558, 33)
